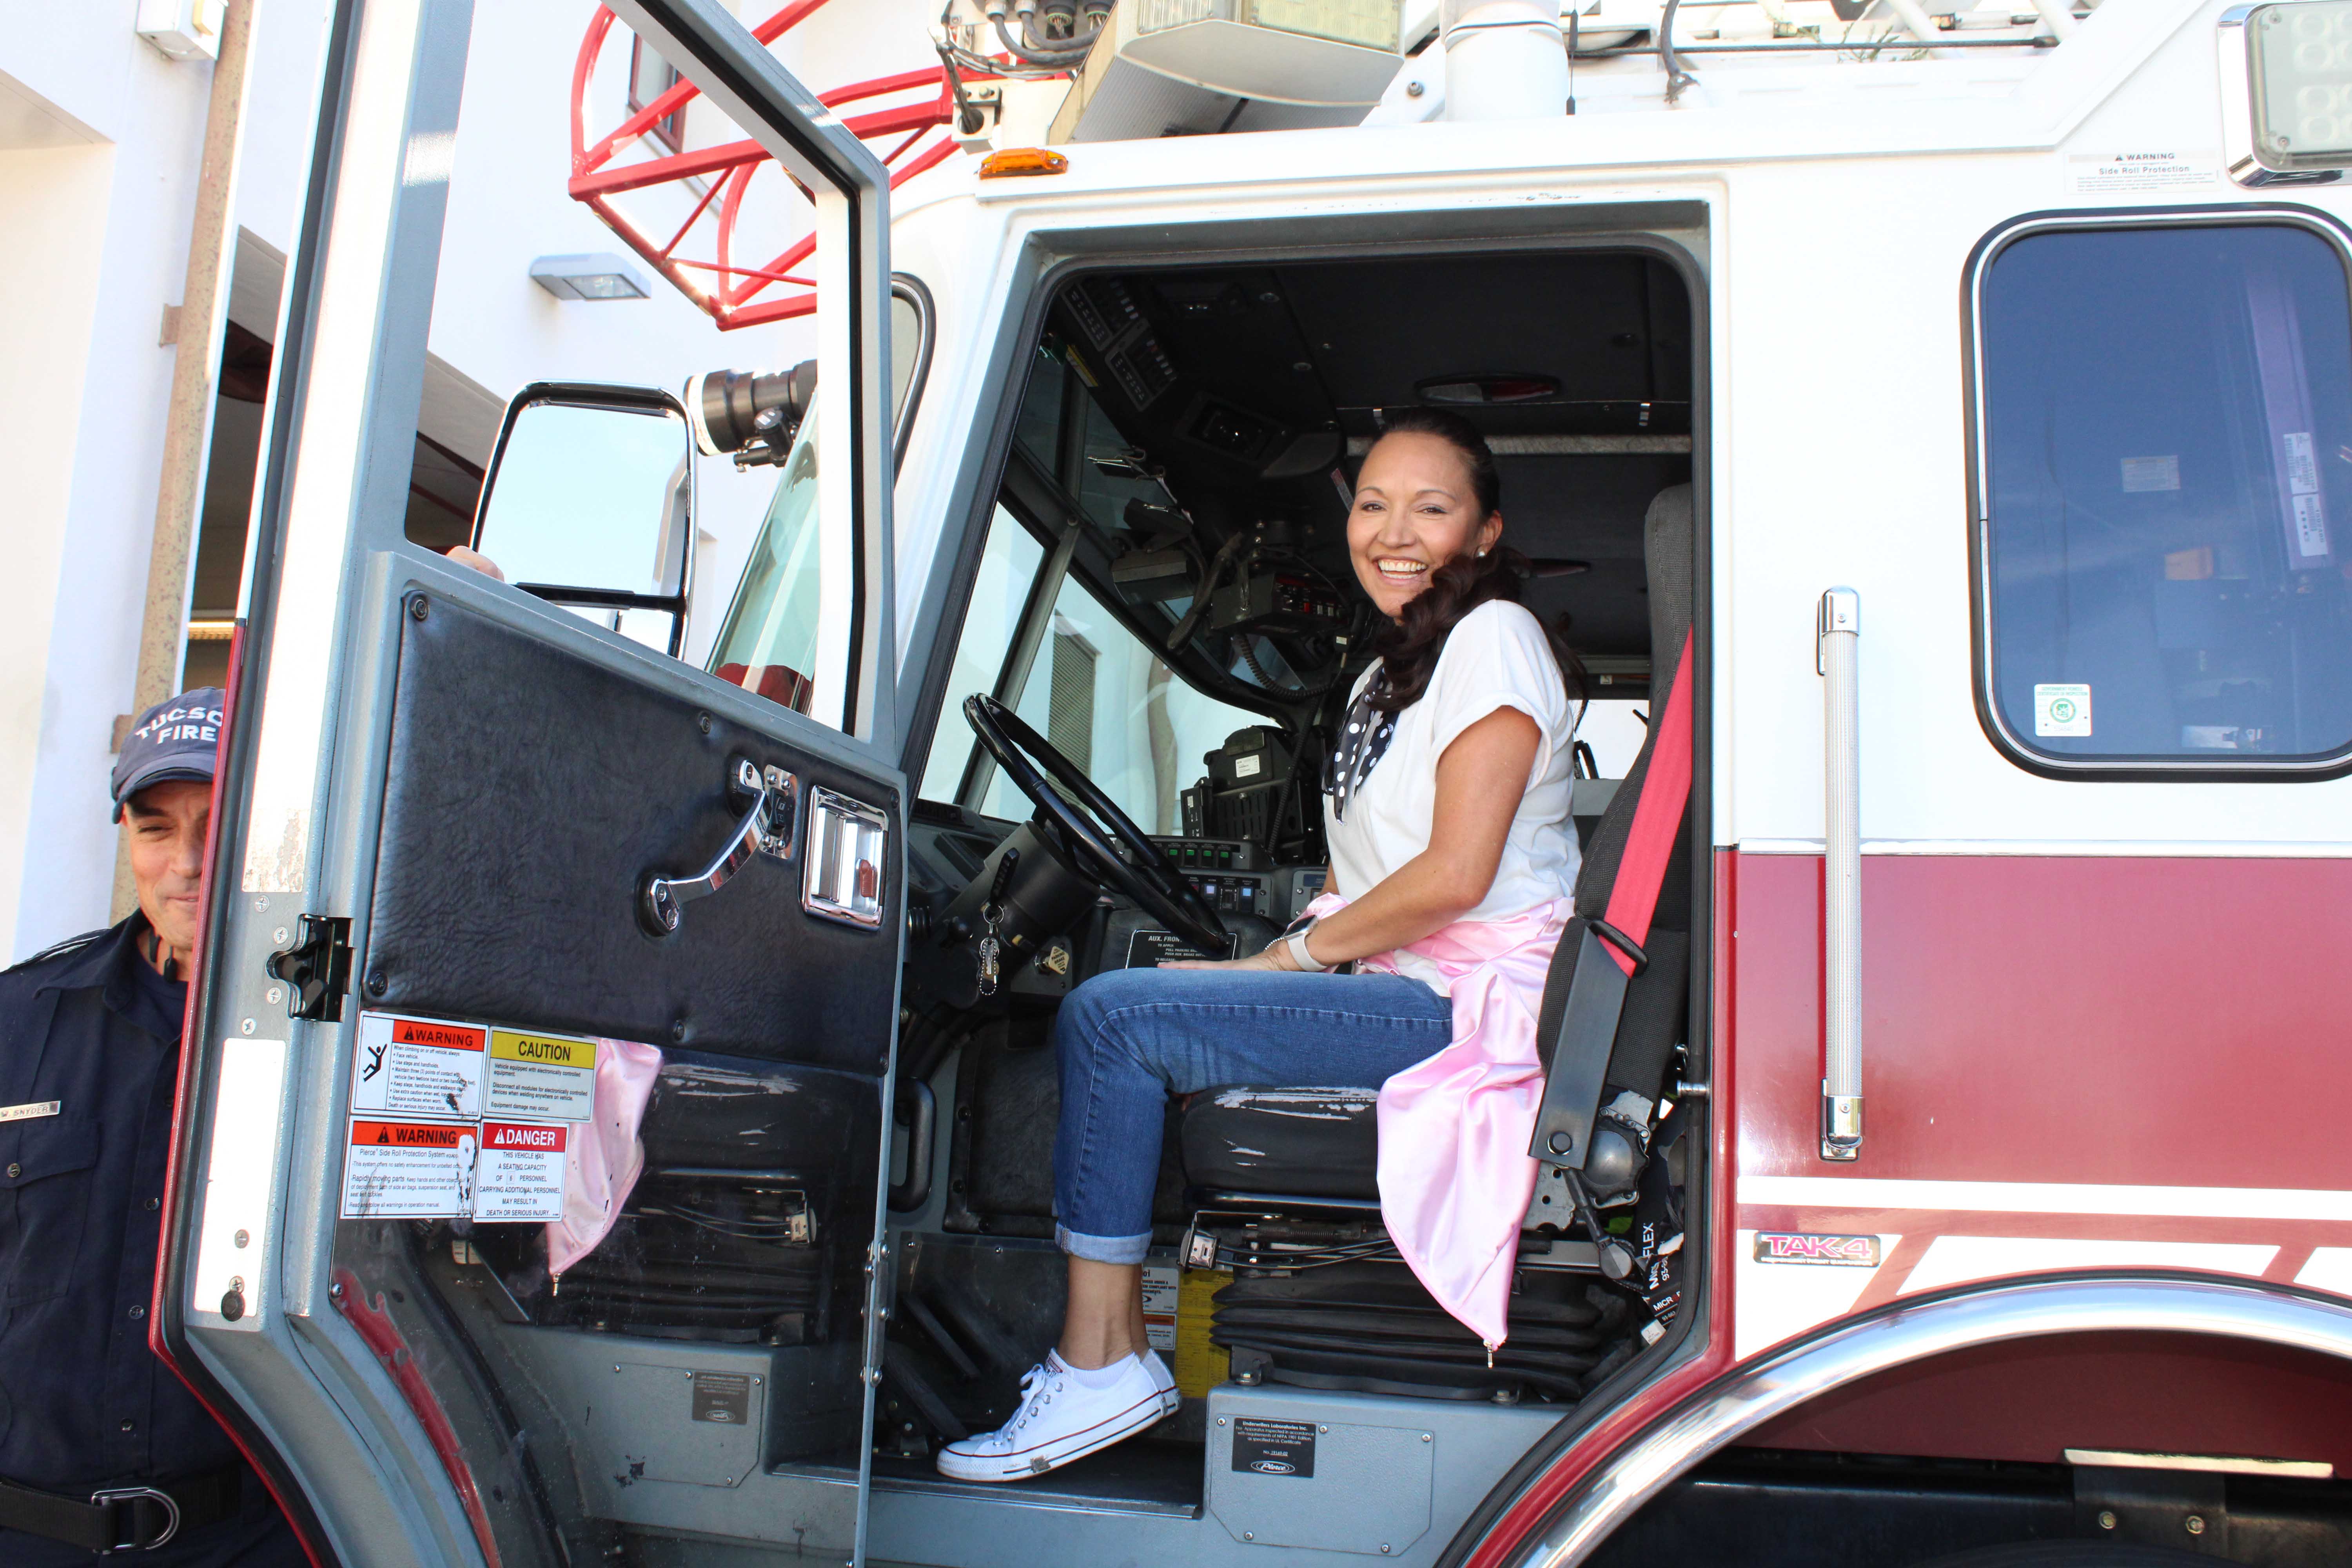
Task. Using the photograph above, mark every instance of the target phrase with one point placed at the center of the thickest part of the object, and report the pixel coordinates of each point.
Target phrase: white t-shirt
(1496, 656)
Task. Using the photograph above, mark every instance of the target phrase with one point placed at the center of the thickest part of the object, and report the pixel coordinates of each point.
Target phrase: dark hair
(1409, 646)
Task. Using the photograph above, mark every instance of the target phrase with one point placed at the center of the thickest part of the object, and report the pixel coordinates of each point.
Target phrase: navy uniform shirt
(84, 1402)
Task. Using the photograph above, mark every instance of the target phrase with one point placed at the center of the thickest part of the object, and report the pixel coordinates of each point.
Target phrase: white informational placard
(521, 1172)
(1162, 1286)
(418, 1067)
(409, 1170)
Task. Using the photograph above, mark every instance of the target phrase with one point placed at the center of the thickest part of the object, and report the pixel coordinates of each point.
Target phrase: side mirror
(588, 503)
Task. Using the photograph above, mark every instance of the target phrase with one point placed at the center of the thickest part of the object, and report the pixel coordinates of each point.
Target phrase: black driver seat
(1322, 1143)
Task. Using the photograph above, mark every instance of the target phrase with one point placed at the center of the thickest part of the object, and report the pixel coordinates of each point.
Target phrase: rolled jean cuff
(1103, 1248)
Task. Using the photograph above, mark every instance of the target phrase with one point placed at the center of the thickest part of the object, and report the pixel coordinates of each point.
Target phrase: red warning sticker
(521, 1175)
(418, 1067)
(409, 1170)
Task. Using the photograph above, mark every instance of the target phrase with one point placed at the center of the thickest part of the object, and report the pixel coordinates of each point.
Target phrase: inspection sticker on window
(520, 1172)
(2145, 474)
(2308, 519)
(541, 1077)
(2126, 173)
(409, 1170)
(418, 1067)
(2062, 708)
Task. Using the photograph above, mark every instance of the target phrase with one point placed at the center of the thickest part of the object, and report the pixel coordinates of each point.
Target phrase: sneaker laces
(1038, 1389)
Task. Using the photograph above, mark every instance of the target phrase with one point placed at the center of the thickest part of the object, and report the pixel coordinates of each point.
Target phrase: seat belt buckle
(111, 1496)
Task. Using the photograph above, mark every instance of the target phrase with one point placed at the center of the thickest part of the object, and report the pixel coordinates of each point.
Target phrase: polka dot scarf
(1363, 741)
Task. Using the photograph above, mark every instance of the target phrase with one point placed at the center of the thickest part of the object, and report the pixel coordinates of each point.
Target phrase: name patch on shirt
(30, 1110)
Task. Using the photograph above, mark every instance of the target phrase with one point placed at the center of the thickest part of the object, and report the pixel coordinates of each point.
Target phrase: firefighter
(101, 1448)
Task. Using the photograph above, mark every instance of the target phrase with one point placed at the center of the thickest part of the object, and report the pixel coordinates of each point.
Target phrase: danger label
(521, 1177)
(418, 1067)
(409, 1170)
(541, 1077)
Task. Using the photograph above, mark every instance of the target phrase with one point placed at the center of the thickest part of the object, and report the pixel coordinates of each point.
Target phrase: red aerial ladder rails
(737, 294)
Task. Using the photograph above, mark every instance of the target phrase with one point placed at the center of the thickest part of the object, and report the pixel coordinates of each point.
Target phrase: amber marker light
(1022, 161)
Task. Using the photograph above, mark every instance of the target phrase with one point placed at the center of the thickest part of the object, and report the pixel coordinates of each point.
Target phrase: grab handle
(1838, 639)
(766, 827)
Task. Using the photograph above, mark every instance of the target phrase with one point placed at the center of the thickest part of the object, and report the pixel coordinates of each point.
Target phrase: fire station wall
(94, 255)
(53, 209)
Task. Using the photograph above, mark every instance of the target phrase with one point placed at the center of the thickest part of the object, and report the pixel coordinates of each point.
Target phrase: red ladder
(736, 295)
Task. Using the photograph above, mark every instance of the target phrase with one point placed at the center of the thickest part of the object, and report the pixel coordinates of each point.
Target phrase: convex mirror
(588, 503)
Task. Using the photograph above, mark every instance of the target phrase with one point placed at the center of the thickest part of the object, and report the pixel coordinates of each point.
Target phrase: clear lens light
(2303, 84)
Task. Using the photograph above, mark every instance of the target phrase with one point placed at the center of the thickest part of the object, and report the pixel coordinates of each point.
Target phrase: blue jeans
(1128, 1038)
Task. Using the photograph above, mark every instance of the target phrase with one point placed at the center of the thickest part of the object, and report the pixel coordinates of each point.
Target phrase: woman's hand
(1276, 956)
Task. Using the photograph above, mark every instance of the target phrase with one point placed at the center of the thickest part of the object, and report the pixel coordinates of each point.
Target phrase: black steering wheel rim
(1144, 872)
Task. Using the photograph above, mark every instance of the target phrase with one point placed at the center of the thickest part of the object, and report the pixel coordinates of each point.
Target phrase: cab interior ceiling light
(2286, 85)
(602, 275)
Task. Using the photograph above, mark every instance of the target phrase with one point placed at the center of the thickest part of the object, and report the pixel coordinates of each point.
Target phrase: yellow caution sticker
(541, 1077)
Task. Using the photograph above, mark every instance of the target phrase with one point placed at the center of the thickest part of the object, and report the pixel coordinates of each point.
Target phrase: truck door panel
(526, 910)
(470, 788)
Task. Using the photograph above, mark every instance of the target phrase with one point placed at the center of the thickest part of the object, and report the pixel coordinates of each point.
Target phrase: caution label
(541, 1077)
(521, 1177)
(409, 1170)
(418, 1067)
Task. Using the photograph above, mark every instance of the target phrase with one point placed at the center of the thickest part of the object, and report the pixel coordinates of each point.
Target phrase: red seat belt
(1657, 818)
(1577, 1065)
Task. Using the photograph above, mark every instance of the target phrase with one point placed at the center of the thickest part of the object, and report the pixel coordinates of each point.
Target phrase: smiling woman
(1442, 884)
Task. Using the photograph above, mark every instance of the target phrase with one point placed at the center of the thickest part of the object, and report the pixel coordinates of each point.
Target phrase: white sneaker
(1060, 1419)
(1170, 1399)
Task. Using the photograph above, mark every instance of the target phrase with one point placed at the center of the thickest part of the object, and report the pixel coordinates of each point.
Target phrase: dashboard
(946, 849)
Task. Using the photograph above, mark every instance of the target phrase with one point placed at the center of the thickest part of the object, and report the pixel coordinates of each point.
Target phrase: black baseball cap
(177, 739)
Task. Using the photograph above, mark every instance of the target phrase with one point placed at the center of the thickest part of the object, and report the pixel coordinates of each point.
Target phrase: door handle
(766, 828)
(1838, 634)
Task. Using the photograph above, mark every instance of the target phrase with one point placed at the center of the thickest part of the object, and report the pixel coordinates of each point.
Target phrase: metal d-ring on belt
(121, 1518)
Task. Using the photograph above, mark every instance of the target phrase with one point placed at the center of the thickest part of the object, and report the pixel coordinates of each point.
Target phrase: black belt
(122, 1519)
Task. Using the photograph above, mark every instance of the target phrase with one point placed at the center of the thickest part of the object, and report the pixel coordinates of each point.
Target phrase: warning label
(521, 1175)
(409, 1170)
(418, 1067)
(1161, 1285)
(2139, 173)
(541, 1077)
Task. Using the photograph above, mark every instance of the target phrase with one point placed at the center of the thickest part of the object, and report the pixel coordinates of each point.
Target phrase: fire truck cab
(618, 1126)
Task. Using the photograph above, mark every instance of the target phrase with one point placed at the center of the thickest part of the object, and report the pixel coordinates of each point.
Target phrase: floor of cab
(1144, 1476)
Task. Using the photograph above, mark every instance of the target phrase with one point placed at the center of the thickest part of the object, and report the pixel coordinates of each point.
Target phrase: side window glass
(1008, 570)
(1039, 428)
(786, 636)
(1101, 697)
(2167, 426)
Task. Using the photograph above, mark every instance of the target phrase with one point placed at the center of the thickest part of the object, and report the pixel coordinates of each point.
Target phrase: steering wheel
(1123, 860)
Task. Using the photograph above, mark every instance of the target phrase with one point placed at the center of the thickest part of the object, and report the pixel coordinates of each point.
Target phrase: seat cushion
(1297, 1142)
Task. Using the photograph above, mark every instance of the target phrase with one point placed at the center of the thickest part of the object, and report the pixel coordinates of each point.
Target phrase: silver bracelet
(1296, 943)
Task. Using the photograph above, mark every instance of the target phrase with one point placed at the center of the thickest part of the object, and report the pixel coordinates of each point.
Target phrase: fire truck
(617, 1120)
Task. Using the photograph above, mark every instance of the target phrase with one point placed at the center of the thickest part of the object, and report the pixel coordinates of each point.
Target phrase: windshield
(1098, 693)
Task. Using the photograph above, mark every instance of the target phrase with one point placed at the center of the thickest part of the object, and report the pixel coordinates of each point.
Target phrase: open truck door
(532, 1131)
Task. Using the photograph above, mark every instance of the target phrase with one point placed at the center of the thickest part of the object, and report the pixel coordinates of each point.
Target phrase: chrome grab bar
(1838, 637)
(766, 827)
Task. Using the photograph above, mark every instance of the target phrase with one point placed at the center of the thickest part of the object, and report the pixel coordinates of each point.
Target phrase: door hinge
(317, 969)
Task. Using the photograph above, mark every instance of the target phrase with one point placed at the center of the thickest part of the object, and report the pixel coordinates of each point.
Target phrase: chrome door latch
(768, 828)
